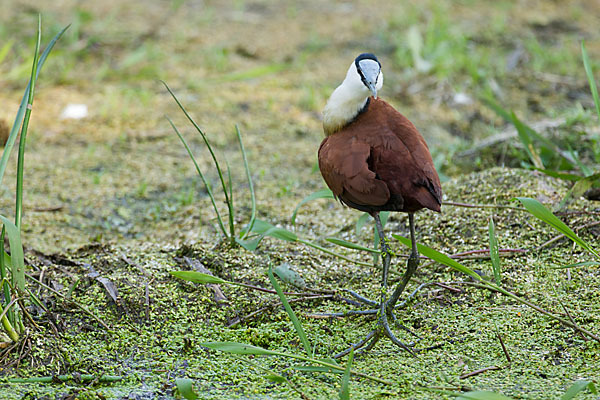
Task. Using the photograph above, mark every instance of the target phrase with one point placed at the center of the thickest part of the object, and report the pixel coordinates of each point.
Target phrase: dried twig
(503, 348)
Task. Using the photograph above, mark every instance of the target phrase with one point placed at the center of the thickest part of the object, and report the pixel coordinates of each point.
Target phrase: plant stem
(22, 141)
(5, 286)
(250, 184)
(324, 250)
(14, 336)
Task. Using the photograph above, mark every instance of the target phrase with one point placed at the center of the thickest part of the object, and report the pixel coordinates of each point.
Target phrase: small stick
(479, 371)
(504, 347)
(572, 320)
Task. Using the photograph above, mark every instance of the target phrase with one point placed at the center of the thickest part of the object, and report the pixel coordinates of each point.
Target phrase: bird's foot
(381, 329)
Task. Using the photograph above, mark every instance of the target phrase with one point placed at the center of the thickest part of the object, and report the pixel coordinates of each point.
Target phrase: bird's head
(365, 74)
(363, 79)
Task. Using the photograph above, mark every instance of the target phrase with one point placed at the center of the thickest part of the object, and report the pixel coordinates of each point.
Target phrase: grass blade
(578, 387)
(581, 264)
(444, 259)
(24, 128)
(560, 175)
(542, 213)
(578, 189)
(523, 133)
(350, 245)
(250, 184)
(320, 194)
(186, 388)
(12, 137)
(361, 222)
(439, 257)
(230, 203)
(199, 277)
(207, 143)
(482, 395)
(16, 254)
(290, 312)
(206, 184)
(590, 75)
(345, 386)
(239, 348)
(494, 254)
(333, 253)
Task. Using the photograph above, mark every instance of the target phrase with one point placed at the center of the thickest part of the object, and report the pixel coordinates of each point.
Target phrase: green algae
(128, 207)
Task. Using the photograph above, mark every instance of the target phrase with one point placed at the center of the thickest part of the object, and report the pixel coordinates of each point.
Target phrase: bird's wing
(344, 165)
(424, 173)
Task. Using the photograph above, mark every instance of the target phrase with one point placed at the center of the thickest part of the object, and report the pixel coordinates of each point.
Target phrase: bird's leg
(386, 306)
(411, 265)
(385, 255)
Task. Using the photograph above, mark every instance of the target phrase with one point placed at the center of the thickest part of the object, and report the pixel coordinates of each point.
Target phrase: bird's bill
(373, 90)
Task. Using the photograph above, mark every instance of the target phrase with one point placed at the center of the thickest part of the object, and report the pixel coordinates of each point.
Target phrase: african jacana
(373, 159)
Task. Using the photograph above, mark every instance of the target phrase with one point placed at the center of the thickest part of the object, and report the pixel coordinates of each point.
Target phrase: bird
(374, 159)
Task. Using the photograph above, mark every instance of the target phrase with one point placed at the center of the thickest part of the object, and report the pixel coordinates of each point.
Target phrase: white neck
(342, 107)
(346, 101)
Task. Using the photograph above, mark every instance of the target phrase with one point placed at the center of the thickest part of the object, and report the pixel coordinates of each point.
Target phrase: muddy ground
(113, 203)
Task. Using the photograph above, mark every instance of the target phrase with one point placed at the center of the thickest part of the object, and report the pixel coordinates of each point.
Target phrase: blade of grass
(482, 395)
(16, 254)
(360, 222)
(527, 142)
(12, 137)
(230, 216)
(320, 194)
(542, 213)
(22, 140)
(266, 229)
(494, 254)
(186, 388)
(444, 259)
(439, 257)
(199, 277)
(590, 75)
(3, 273)
(350, 245)
(577, 387)
(345, 386)
(581, 264)
(297, 325)
(577, 190)
(240, 348)
(250, 185)
(333, 253)
(560, 175)
(206, 184)
(207, 143)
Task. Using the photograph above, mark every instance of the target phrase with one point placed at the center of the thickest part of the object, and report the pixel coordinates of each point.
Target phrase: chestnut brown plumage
(374, 159)
(380, 162)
